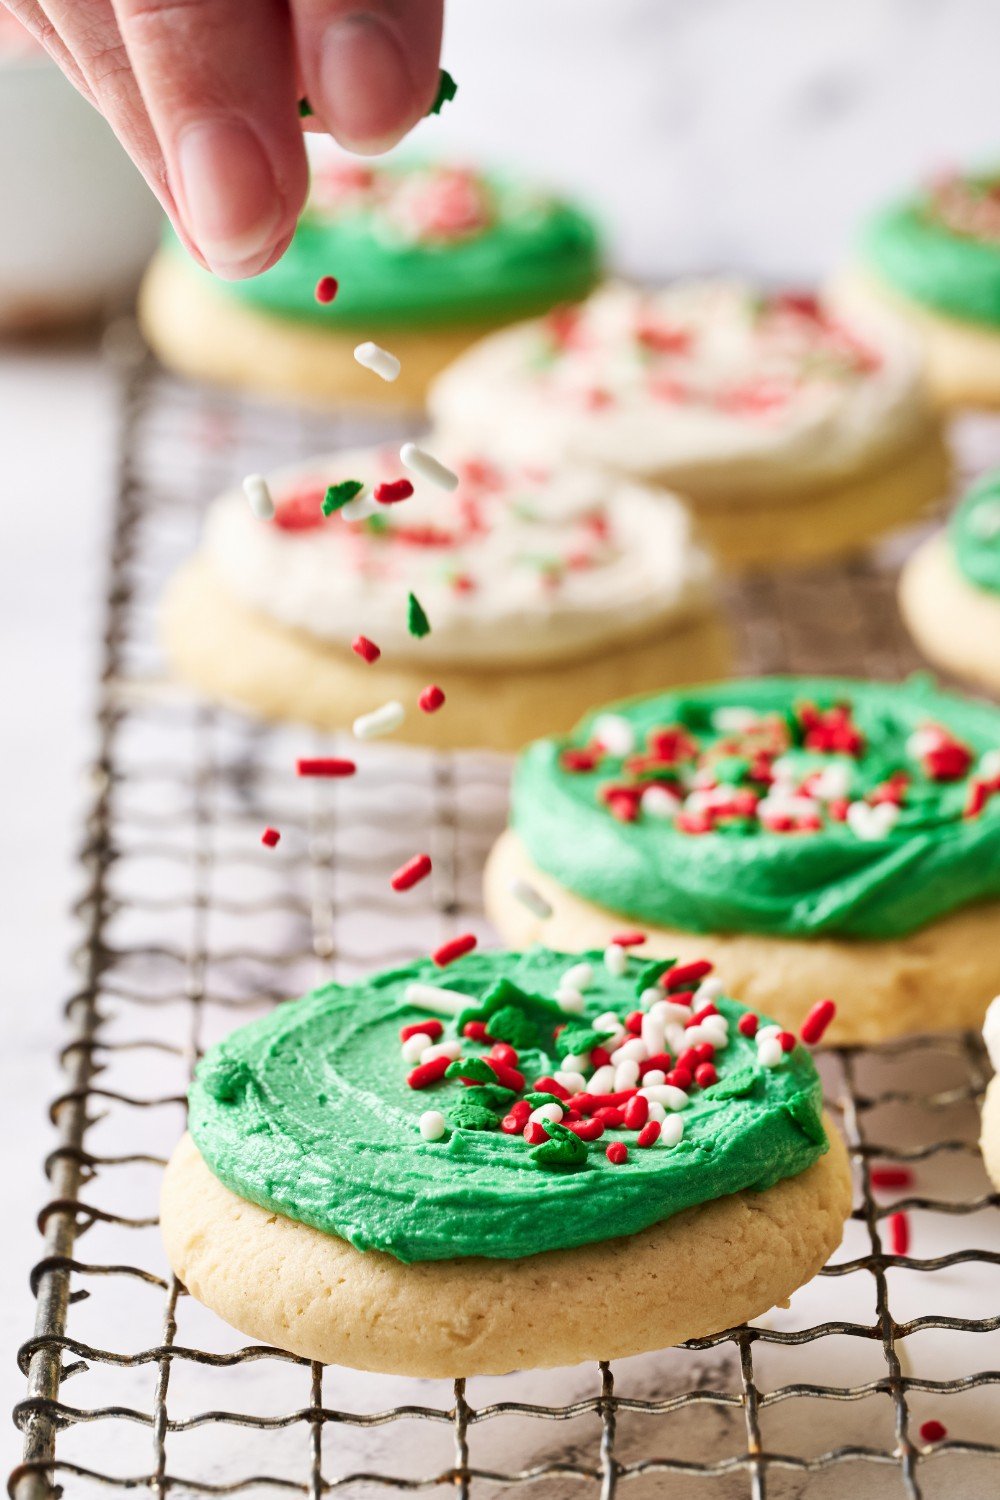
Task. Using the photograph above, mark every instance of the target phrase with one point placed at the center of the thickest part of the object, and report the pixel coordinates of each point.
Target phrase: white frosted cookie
(532, 580)
(766, 412)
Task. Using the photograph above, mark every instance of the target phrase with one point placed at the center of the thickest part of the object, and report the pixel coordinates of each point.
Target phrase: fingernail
(228, 193)
(366, 86)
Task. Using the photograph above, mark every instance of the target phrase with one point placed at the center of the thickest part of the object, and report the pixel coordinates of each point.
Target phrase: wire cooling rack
(188, 927)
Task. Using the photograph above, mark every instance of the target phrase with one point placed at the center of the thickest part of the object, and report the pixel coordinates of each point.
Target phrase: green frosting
(822, 877)
(918, 252)
(974, 533)
(426, 247)
(308, 1113)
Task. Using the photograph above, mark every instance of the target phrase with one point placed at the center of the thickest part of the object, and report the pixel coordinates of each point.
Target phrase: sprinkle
(430, 1028)
(514, 1123)
(270, 837)
(257, 493)
(366, 649)
(414, 870)
(890, 1177)
(476, 1032)
(432, 1125)
(628, 939)
(380, 721)
(747, 1024)
(428, 467)
(454, 948)
(617, 1153)
(428, 1072)
(414, 1047)
(529, 897)
(770, 1053)
(361, 508)
(450, 1049)
(817, 1021)
(665, 1094)
(339, 495)
(636, 1112)
(534, 1133)
(327, 286)
(324, 765)
(786, 1041)
(614, 734)
(430, 699)
(933, 1431)
(547, 1112)
(417, 622)
(869, 823)
(433, 997)
(578, 977)
(899, 1233)
(649, 1134)
(671, 1130)
(615, 960)
(569, 1000)
(383, 364)
(446, 91)
(705, 1075)
(681, 976)
(392, 491)
(586, 1130)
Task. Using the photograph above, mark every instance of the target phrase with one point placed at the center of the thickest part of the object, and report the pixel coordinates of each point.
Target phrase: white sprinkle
(615, 959)
(608, 1022)
(989, 766)
(676, 1038)
(360, 508)
(380, 721)
(544, 1112)
(770, 1053)
(383, 364)
(578, 977)
(436, 998)
(654, 1075)
(659, 802)
(868, 823)
(833, 781)
(428, 467)
(529, 897)
(614, 734)
(569, 1000)
(256, 490)
(632, 1050)
(665, 1094)
(672, 1131)
(575, 1062)
(414, 1045)
(652, 1033)
(432, 1125)
(764, 1032)
(669, 1013)
(571, 1079)
(656, 1112)
(786, 805)
(649, 998)
(733, 720)
(923, 740)
(709, 989)
(602, 1081)
(626, 1075)
(450, 1049)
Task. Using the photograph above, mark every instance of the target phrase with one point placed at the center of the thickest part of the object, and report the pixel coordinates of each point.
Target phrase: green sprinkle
(472, 1067)
(537, 1099)
(305, 109)
(339, 495)
(417, 622)
(562, 1149)
(447, 89)
(652, 973)
(577, 1041)
(510, 1024)
(467, 1113)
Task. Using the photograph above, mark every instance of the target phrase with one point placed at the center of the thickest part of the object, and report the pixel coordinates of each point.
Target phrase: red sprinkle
(391, 491)
(680, 1078)
(547, 1085)
(600, 1057)
(429, 1028)
(606, 1101)
(636, 1112)
(366, 649)
(454, 948)
(787, 1040)
(503, 1052)
(610, 1117)
(649, 1134)
(431, 699)
(933, 1431)
(705, 1075)
(587, 1130)
(659, 1061)
(890, 1177)
(534, 1134)
(514, 1123)
(689, 1060)
(747, 1024)
(414, 870)
(817, 1021)
(617, 1153)
(685, 975)
(270, 837)
(428, 1072)
(899, 1233)
(702, 1015)
(633, 1022)
(508, 1078)
(475, 1031)
(327, 288)
(628, 939)
(324, 765)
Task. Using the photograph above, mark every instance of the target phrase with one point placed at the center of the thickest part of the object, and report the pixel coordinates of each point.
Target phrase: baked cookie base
(831, 523)
(963, 359)
(234, 655)
(955, 624)
(201, 332)
(699, 1273)
(989, 1137)
(942, 976)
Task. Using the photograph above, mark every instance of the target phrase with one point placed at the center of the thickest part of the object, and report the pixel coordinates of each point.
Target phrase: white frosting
(991, 1033)
(743, 395)
(539, 566)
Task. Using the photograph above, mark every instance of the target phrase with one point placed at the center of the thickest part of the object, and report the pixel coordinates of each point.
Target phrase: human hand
(204, 96)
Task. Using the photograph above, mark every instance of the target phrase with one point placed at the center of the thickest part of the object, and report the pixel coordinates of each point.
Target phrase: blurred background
(743, 134)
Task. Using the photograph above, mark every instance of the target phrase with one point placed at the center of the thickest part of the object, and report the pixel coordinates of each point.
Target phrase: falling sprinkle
(366, 649)
(431, 698)
(417, 622)
(327, 288)
(270, 837)
(339, 495)
(324, 765)
(446, 91)
(383, 364)
(415, 869)
(257, 493)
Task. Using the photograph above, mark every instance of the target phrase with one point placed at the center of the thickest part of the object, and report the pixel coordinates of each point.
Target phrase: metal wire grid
(188, 927)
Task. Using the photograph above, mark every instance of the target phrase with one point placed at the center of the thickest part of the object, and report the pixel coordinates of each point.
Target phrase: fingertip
(369, 96)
